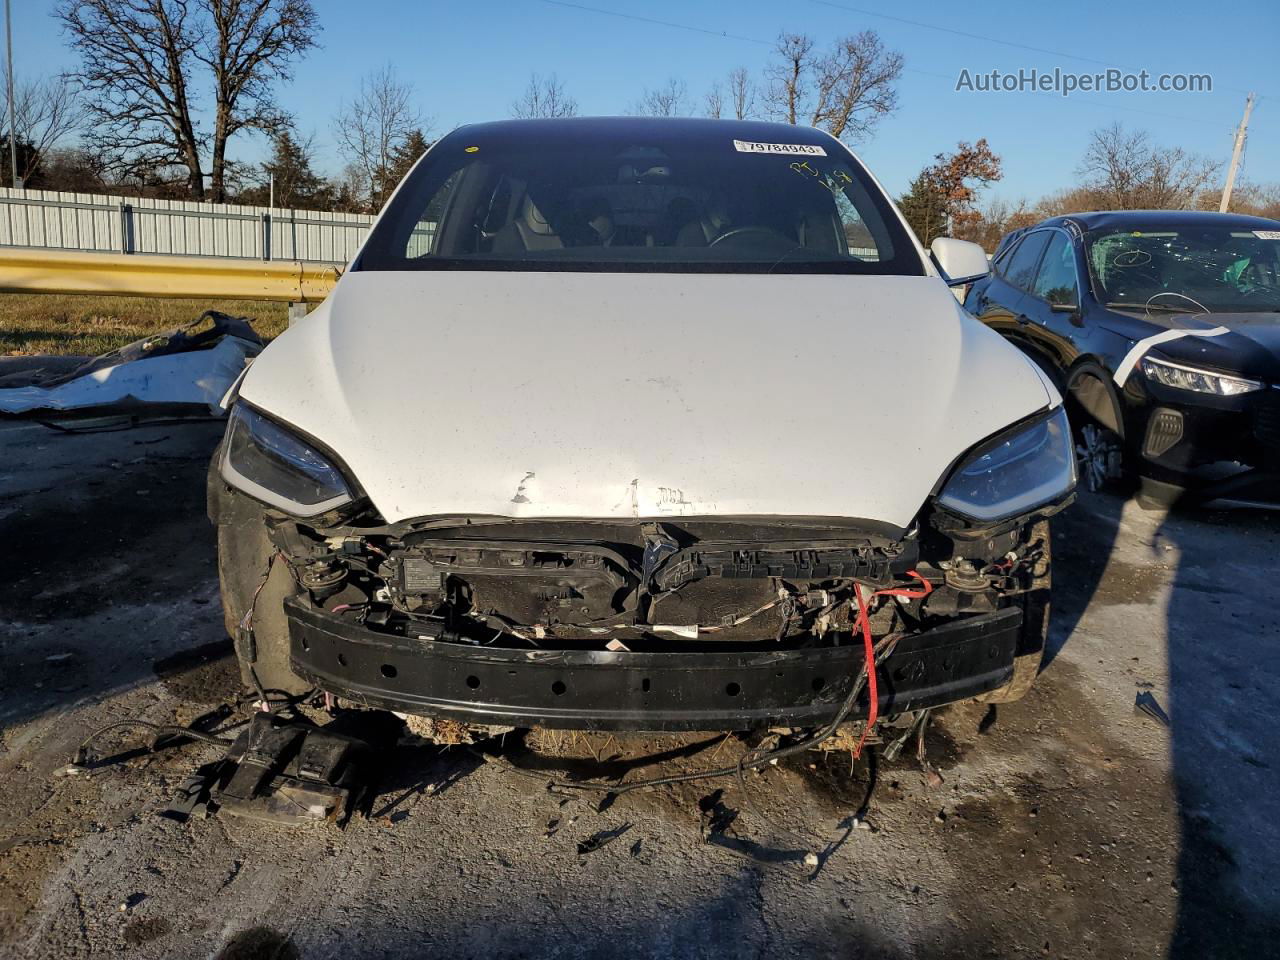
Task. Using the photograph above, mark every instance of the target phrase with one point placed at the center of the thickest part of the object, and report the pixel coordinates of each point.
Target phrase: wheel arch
(1089, 385)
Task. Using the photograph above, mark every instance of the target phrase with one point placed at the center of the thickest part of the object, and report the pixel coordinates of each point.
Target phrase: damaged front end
(677, 624)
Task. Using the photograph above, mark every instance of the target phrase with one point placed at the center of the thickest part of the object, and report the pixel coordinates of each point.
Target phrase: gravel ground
(1067, 825)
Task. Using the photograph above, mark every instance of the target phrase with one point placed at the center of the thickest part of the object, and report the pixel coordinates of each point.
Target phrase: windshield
(1195, 269)
(678, 201)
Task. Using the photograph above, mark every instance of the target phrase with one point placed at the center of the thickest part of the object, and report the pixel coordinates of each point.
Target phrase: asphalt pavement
(1071, 824)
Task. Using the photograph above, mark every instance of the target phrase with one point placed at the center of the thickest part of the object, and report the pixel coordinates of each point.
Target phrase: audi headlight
(1014, 472)
(267, 461)
(1195, 379)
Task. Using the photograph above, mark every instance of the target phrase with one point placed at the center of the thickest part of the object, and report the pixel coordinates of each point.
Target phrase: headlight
(1195, 379)
(1015, 471)
(268, 462)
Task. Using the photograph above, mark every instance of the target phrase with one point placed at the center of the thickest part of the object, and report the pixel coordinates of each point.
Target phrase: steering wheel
(763, 232)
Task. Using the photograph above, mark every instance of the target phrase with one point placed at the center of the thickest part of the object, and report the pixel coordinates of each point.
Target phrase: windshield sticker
(1267, 234)
(803, 149)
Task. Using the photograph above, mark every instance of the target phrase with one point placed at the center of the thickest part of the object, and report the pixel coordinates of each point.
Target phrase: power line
(725, 35)
(979, 36)
(660, 23)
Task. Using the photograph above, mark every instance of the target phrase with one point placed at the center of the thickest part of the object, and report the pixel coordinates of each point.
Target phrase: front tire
(1099, 455)
(248, 579)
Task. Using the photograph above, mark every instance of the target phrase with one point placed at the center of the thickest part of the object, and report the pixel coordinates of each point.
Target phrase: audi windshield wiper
(1168, 308)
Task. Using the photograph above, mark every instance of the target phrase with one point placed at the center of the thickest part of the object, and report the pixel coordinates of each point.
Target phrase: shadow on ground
(1223, 661)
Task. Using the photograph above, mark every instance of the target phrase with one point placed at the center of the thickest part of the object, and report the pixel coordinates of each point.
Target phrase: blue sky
(468, 60)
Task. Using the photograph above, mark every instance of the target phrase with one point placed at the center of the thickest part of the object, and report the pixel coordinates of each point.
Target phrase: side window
(857, 235)
(1056, 280)
(1001, 263)
(1022, 265)
(423, 238)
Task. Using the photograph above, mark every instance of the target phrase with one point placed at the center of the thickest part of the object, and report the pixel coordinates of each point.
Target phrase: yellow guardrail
(131, 275)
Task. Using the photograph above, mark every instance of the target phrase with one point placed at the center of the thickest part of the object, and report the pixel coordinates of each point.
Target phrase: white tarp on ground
(193, 365)
(197, 377)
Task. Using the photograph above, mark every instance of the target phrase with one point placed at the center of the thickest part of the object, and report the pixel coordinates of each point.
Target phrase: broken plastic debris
(689, 631)
(178, 368)
(1146, 703)
(617, 646)
(601, 839)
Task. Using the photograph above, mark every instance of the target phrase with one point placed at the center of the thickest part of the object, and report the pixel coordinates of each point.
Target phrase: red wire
(910, 594)
(869, 652)
(869, 649)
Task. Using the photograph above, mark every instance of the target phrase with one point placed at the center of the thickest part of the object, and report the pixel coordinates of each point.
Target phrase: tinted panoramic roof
(512, 131)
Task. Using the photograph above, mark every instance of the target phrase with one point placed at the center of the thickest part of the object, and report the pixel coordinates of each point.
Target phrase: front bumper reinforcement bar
(602, 690)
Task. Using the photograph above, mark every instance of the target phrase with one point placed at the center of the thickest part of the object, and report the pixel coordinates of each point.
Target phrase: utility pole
(1235, 155)
(13, 142)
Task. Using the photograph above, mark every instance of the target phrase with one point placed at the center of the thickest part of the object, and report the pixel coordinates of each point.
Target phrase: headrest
(534, 219)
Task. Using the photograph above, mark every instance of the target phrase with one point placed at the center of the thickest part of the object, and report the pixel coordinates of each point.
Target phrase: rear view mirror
(960, 261)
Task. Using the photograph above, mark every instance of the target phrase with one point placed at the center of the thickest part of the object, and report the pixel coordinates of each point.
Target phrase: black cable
(160, 729)
(778, 753)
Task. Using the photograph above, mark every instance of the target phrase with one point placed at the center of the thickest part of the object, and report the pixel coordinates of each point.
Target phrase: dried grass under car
(48, 323)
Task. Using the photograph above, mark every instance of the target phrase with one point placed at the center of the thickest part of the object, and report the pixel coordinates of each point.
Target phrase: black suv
(1162, 328)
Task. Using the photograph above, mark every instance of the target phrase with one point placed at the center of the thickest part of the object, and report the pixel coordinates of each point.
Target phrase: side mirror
(959, 261)
(1072, 310)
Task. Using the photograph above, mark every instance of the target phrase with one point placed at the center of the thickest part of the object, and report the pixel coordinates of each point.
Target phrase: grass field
(52, 323)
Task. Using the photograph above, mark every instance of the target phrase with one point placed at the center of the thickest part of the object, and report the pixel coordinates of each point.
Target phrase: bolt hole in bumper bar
(602, 690)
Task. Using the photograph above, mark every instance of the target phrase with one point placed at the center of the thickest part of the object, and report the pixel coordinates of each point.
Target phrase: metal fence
(87, 222)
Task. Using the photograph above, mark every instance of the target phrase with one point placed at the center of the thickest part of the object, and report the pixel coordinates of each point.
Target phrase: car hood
(644, 395)
(1251, 348)
(1261, 330)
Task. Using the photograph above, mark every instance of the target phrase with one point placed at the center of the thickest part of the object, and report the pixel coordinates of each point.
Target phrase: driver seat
(529, 230)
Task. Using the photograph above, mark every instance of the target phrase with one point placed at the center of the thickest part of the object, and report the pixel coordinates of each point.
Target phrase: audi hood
(636, 395)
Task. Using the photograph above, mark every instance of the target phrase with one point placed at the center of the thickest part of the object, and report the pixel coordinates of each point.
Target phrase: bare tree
(845, 91)
(714, 101)
(139, 61)
(787, 78)
(45, 112)
(736, 97)
(669, 100)
(253, 44)
(352, 188)
(1126, 171)
(73, 169)
(996, 219)
(742, 94)
(544, 97)
(371, 127)
(1256, 199)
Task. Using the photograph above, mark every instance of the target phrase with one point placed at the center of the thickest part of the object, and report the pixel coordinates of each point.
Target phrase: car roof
(1159, 220)
(588, 128)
